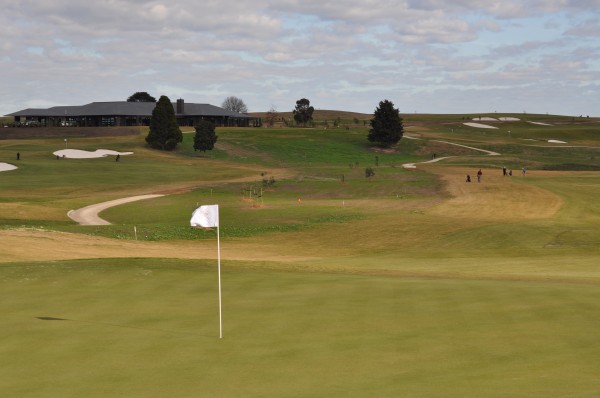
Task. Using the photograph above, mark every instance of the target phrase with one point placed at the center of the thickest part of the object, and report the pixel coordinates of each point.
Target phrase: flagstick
(219, 272)
(208, 217)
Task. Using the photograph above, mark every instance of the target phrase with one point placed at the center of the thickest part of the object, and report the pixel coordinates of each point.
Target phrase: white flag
(206, 216)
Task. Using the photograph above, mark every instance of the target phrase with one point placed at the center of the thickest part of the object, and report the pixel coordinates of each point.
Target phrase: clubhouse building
(122, 113)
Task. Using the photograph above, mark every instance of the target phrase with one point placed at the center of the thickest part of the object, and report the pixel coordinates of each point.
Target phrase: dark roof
(123, 108)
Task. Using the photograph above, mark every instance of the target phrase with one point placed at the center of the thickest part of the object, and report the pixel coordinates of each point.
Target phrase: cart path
(414, 165)
(89, 215)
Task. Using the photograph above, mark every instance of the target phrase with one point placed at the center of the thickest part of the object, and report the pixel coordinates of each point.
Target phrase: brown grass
(62, 132)
(496, 198)
(28, 244)
(403, 224)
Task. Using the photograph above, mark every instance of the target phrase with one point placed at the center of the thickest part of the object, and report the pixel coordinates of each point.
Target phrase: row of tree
(386, 125)
(165, 134)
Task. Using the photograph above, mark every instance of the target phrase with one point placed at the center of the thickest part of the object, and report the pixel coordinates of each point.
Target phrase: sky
(426, 56)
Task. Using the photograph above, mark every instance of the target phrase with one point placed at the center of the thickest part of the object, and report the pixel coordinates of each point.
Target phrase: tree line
(386, 126)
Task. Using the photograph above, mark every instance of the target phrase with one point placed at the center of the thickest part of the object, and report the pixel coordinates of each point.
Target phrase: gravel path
(89, 215)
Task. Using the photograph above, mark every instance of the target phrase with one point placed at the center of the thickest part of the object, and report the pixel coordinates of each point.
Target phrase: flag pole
(219, 272)
(208, 217)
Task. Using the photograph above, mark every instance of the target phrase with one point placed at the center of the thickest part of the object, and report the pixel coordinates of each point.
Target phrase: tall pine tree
(386, 126)
(164, 131)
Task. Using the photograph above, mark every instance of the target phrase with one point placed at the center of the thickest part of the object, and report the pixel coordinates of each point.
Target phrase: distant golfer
(18, 156)
(468, 178)
(504, 171)
(479, 174)
(117, 158)
(524, 171)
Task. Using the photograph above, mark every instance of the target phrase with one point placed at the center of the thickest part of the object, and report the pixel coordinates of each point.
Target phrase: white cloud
(157, 12)
(348, 54)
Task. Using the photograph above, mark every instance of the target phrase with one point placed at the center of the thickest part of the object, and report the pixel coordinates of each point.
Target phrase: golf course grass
(410, 283)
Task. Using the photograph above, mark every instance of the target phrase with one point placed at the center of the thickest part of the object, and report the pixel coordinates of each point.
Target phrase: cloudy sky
(426, 56)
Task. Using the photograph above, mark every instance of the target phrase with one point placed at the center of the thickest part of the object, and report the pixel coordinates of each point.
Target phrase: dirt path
(89, 215)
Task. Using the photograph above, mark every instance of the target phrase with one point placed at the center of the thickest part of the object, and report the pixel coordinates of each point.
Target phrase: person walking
(479, 174)
(504, 171)
(18, 156)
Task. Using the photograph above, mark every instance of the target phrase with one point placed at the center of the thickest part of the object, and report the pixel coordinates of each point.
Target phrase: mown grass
(146, 327)
(360, 288)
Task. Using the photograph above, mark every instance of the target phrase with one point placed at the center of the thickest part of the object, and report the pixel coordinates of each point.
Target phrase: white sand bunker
(540, 123)
(81, 154)
(485, 119)
(556, 142)
(7, 167)
(480, 126)
(509, 119)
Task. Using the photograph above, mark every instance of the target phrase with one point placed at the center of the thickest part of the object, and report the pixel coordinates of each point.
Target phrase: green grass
(362, 288)
(150, 327)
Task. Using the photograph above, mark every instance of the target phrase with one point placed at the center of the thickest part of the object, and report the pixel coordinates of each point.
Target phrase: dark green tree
(205, 137)
(303, 112)
(141, 96)
(386, 126)
(164, 132)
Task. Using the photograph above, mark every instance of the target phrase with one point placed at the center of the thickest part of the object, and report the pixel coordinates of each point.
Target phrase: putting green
(147, 327)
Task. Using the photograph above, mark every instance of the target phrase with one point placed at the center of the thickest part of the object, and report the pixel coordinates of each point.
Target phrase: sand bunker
(480, 126)
(485, 119)
(7, 167)
(540, 123)
(556, 142)
(509, 119)
(80, 154)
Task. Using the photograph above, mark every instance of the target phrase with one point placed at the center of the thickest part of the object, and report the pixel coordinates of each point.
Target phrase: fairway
(410, 283)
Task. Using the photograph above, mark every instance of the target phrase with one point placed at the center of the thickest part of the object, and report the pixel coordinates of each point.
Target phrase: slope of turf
(408, 283)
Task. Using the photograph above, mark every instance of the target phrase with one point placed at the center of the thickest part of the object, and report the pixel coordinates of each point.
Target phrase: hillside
(345, 118)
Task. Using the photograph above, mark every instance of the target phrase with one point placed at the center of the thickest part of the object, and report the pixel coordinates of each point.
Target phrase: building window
(108, 120)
